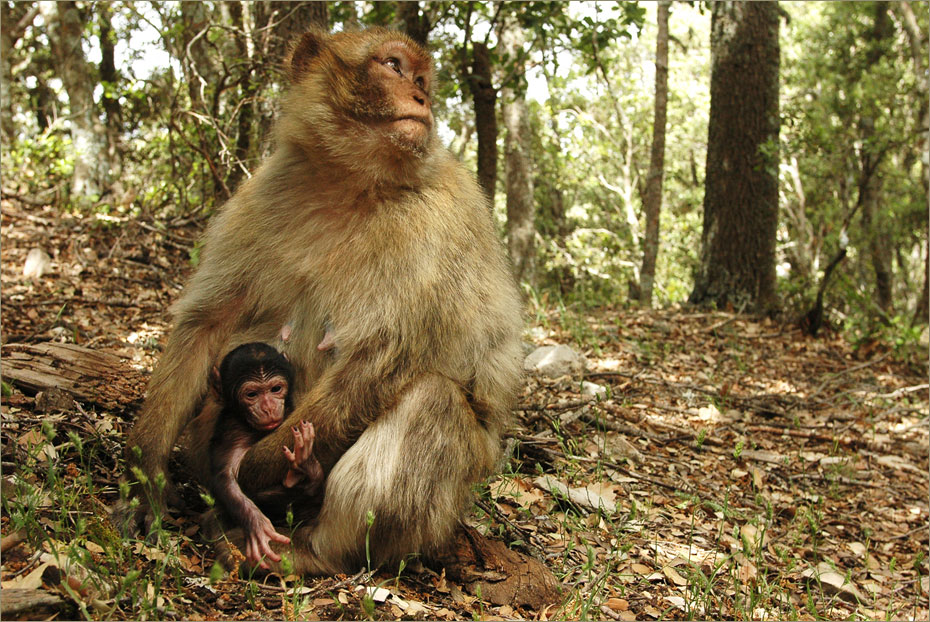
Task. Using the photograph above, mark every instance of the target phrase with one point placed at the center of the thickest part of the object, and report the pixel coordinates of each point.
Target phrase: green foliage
(196, 106)
(853, 103)
(38, 167)
(591, 151)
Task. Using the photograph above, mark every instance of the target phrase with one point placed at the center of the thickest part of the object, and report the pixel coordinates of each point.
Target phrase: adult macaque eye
(420, 82)
(394, 63)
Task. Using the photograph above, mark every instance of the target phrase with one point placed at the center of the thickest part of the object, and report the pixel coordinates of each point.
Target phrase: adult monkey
(360, 221)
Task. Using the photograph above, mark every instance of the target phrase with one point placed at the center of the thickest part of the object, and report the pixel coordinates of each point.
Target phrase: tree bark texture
(484, 96)
(414, 22)
(922, 312)
(109, 99)
(879, 239)
(741, 190)
(652, 202)
(91, 165)
(16, 18)
(521, 230)
(871, 155)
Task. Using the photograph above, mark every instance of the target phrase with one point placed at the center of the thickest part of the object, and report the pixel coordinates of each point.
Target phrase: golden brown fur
(371, 228)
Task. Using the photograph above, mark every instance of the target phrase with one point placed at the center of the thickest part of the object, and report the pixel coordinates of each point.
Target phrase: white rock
(554, 361)
(37, 262)
(590, 389)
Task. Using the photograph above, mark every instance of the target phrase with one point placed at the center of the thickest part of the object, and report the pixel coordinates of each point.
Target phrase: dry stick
(28, 201)
(553, 407)
(754, 401)
(28, 565)
(903, 390)
(168, 234)
(849, 370)
(10, 540)
(79, 300)
(612, 465)
(921, 529)
(843, 480)
(525, 533)
(713, 328)
(814, 436)
(618, 427)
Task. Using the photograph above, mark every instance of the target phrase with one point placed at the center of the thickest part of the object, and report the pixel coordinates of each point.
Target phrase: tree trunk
(870, 156)
(66, 32)
(290, 20)
(16, 18)
(484, 96)
(741, 189)
(918, 42)
(652, 203)
(879, 242)
(109, 79)
(240, 17)
(413, 22)
(318, 15)
(922, 312)
(521, 231)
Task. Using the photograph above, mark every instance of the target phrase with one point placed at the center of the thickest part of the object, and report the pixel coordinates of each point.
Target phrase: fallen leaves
(587, 498)
(703, 462)
(760, 479)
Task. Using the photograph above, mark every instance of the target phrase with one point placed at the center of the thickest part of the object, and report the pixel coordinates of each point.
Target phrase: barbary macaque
(362, 221)
(253, 385)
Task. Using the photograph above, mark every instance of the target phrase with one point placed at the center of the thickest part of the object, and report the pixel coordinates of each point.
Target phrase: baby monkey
(253, 383)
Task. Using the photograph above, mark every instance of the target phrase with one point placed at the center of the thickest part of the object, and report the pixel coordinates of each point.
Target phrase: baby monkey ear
(308, 47)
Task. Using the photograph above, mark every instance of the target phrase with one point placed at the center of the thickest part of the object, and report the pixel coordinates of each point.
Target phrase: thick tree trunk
(879, 246)
(66, 32)
(871, 156)
(484, 96)
(413, 22)
(652, 203)
(16, 18)
(918, 42)
(741, 190)
(521, 231)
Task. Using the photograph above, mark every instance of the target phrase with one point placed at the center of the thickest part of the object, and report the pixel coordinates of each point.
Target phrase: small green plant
(701, 437)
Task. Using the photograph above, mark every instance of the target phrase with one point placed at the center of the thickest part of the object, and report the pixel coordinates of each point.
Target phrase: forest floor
(734, 469)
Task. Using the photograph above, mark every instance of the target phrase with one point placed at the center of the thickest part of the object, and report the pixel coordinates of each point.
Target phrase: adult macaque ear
(308, 47)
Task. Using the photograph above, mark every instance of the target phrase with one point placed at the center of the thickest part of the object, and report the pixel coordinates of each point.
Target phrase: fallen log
(95, 377)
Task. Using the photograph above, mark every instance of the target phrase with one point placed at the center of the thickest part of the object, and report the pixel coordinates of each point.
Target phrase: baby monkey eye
(252, 395)
(394, 63)
(277, 388)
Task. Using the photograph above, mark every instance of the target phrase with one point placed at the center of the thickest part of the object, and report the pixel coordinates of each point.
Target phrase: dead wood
(91, 376)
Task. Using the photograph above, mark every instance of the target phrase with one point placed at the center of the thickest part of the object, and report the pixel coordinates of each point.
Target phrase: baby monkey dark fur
(254, 383)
